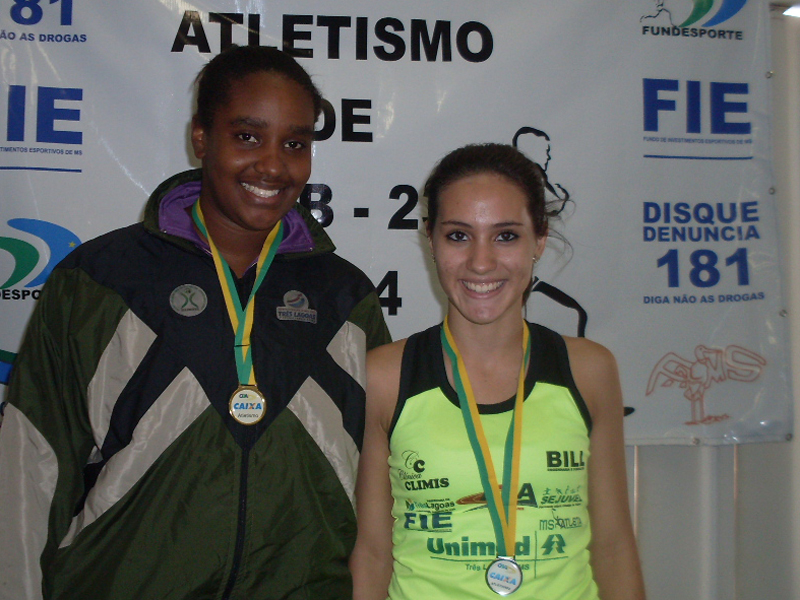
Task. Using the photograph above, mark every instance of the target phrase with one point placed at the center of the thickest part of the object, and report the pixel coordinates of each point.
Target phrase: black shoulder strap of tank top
(417, 369)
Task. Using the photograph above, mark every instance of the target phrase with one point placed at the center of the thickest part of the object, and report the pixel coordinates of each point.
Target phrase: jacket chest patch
(295, 308)
(188, 300)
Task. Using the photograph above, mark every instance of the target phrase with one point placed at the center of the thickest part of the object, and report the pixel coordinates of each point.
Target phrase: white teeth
(260, 192)
(482, 288)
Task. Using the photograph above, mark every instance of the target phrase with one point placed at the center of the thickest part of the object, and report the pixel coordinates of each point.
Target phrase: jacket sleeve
(45, 439)
(368, 315)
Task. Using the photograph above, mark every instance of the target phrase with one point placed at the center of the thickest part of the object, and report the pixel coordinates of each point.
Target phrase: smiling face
(256, 154)
(484, 243)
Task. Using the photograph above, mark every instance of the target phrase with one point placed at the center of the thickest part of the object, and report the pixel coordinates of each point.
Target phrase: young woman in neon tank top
(487, 227)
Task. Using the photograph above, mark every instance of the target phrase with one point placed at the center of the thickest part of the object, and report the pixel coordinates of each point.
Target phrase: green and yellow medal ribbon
(241, 318)
(501, 501)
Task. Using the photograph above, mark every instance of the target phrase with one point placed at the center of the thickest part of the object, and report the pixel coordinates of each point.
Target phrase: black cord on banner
(564, 299)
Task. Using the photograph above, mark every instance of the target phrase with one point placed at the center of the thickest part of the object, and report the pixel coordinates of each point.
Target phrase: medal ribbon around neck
(241, 319)
(502, 505)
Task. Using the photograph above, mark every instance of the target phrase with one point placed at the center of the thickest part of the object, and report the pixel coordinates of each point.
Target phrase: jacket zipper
(238, 548)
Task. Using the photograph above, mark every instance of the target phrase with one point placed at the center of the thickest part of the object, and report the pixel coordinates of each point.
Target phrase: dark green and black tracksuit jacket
(122, 474)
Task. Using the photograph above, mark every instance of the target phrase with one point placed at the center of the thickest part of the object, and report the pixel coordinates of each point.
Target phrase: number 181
(704, 272)
(28, 12)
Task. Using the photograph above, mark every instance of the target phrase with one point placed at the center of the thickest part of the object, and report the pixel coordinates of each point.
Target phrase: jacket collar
(166, 214)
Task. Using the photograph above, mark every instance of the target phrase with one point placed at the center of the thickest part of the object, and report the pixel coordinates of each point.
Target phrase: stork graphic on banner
(695, 377)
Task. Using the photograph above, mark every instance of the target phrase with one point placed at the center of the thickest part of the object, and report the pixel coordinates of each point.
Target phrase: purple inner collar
(174, 220)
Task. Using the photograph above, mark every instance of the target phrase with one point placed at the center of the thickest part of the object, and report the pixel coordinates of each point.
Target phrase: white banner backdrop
(651, 115)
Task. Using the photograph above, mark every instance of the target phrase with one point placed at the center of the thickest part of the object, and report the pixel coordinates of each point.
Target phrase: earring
(535, 259)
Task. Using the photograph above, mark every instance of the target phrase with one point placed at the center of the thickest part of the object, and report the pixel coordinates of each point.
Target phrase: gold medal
(247, 405)
(504, 576)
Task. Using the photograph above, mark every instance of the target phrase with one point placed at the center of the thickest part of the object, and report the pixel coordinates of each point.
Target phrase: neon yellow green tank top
(443, 536)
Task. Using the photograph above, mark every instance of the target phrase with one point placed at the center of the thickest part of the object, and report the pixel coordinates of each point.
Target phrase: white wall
(723, 523)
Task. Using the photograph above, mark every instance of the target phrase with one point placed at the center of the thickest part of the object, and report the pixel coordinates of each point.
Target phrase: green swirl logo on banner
(60, 242)
(727, 9)
(701, 8)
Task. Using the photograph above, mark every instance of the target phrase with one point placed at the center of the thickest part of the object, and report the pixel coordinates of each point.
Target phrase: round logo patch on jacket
(188, 300)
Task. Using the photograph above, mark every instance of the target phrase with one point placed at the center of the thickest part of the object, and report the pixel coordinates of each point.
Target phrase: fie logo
(59, 240)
